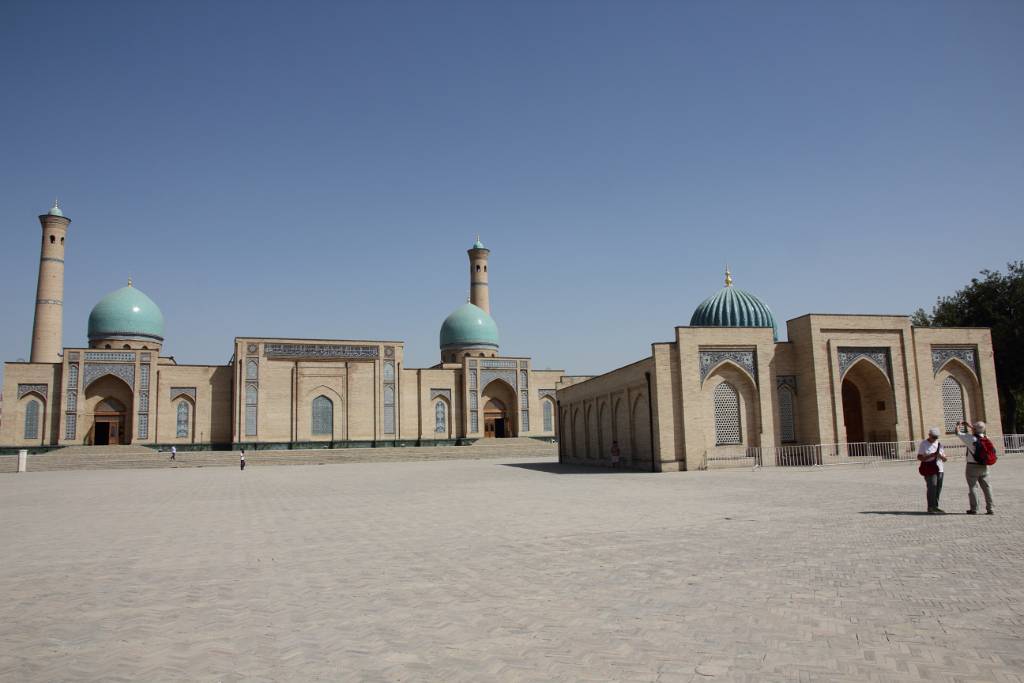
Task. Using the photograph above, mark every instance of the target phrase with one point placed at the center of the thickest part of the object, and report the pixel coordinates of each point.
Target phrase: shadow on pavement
(899, 512)
(557, 468)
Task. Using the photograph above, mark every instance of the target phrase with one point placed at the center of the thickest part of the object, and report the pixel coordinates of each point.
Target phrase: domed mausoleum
(126, 318)
(733, 307)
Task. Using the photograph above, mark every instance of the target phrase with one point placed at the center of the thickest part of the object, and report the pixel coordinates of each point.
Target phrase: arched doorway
(869, 410)
(853, 416)
(499, 401)
(496, 421)
(108, 402)
(109, 422)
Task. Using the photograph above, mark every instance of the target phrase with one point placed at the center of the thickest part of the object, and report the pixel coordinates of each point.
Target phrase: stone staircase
(139, 457)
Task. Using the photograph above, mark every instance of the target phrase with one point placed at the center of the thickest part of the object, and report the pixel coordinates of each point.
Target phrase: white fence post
(22, 460)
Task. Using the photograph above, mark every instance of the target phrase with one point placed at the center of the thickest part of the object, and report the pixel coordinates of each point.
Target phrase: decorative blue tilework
(709, 359)
(942, 354)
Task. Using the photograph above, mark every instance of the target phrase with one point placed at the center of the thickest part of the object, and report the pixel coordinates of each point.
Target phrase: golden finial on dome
(56, 204)
(728, 276)
(129, 280)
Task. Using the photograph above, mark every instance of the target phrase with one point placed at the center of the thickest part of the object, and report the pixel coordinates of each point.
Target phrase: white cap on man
(979, 427)
(934, 431)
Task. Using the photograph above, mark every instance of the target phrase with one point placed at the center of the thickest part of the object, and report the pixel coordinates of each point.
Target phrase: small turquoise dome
(469, 325)
(734, 307)
(55, 210)
(478, 244)
(126, 313)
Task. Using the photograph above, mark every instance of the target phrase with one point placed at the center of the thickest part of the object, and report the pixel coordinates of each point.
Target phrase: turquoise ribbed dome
(734, 307)
(126, 313)
(55, 210)
(469, 325)
(478, 244)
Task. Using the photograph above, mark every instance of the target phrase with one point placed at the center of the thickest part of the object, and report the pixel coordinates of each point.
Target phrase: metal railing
(838, 453)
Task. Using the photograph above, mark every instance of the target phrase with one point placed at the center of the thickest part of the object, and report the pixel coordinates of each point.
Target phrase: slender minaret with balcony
(48, 327)
(478, 288)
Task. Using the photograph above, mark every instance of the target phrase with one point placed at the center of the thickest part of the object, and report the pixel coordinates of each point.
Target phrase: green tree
(994, 300)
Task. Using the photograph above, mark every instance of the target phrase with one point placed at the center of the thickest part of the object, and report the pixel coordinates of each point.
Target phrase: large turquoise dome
(126, 313)
(734, 307)
(469, 325)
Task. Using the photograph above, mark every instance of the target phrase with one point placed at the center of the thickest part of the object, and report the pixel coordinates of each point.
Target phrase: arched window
(52, 239)
(389, 371)
(549, 415)
(323, 416)
(787, 415)
(440, 418)
(727, 415)
(32, 420)
(252, 369)
(952, 403)
(183, 421)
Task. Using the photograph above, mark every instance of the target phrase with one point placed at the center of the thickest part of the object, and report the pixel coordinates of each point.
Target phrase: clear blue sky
(318, 169)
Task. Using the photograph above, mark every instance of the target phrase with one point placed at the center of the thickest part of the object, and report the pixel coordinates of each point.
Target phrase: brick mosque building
(723, 384)
(120, 388)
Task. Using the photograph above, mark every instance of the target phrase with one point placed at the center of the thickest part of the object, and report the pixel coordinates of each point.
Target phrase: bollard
(22, 460)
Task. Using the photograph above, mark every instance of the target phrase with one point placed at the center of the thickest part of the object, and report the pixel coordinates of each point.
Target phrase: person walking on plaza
(174, 453)
(931, 455)
(615, 453)
(980, 455)
(241, 461)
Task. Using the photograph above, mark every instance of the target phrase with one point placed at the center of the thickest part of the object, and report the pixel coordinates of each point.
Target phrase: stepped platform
(140, 457)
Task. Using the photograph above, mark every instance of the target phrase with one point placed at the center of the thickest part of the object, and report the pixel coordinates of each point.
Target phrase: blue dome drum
(733, 307)
(126, 313)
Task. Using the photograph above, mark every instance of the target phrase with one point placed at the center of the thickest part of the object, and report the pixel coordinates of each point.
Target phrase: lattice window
(70, 425)
(727, 415)
(524, 400)
(144, 426)
(389, 409)
(252, 395)
(472, 379)
(440, 418)
(524, 420)
(182, 410)
(252, 369)
(250, 420)
(73, 376)
(549, 416)
(787, 415)
(952, 403)
(524, 378)
(32, 420)
(389, 371)
(323, 416)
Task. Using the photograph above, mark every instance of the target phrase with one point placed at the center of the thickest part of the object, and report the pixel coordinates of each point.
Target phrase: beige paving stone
(507, 570)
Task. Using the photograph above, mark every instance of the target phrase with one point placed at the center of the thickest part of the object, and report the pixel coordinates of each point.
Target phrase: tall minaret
(48, 328)
(478, 291)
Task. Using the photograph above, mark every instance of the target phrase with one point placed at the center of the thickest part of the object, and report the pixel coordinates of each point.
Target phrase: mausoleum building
(725, 390)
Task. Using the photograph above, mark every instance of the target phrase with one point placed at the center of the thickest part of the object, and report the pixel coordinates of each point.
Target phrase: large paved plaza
(519, 570)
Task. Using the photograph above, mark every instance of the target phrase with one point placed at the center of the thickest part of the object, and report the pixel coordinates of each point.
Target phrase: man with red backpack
(981, 454)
